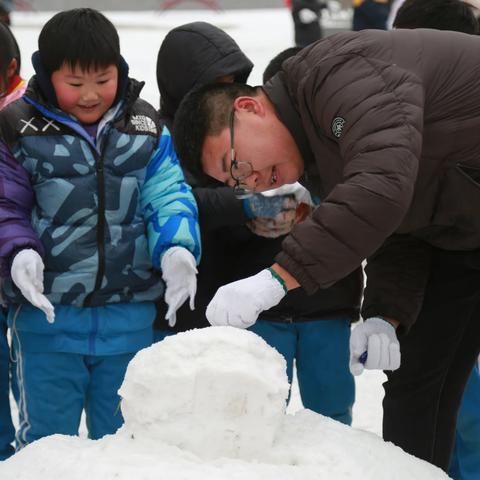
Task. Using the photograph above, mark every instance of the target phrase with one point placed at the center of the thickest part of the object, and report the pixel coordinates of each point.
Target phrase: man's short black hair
(8, 51)
(437, 14)
(275, 63)
(204, 111)
(83, 37)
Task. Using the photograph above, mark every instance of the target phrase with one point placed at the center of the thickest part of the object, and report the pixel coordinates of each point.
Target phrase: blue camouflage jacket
(101, 211)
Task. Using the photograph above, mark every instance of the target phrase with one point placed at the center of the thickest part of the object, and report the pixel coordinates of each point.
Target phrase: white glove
(27, 274)
(179, 271)
(238, 304)
(301, 194)
(378, 339)
(307, 16)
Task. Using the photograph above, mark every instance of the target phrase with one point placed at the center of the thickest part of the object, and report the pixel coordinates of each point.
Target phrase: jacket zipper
(100, 228)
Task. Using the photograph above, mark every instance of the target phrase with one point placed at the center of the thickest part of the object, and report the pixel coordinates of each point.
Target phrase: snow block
(216, 392)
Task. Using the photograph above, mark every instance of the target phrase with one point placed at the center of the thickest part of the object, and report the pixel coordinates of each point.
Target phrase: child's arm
(170, 210)
(16, 203)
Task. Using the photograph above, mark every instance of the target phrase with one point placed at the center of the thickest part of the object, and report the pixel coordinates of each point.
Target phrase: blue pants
(321, 351)
(52, 389)
(465, 463)
(7, 431)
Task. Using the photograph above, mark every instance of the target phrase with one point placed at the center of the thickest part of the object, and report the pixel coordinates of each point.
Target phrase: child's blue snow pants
(321, 351)
(465, 463)
(7, 431)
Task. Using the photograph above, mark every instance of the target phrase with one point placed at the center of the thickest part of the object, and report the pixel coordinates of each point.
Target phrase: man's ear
(12, 68)
(249, 104)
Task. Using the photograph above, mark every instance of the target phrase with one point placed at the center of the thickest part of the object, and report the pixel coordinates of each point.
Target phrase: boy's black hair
(83, 37)
(204, 111)
(437, 14)
(275, 63)
(8, 51)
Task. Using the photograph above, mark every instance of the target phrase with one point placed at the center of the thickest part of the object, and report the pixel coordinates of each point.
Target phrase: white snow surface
(210, 404)
(306, 446)
(213, 384)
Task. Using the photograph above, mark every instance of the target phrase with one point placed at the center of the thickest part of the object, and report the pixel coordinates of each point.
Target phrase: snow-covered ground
(324, 448)
(209, 404)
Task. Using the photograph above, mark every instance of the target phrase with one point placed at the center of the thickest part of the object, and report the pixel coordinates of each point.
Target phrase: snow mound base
(216, 392)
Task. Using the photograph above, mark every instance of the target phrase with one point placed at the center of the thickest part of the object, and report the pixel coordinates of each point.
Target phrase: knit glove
(282, 224)
(27, 274)
(374, 345)
(179, 271)
(262, 206)
(238, 304)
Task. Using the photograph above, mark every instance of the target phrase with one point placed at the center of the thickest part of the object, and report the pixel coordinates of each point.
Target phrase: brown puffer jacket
(389, 124)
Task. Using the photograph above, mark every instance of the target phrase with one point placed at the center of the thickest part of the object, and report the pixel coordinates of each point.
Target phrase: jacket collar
(278, 94)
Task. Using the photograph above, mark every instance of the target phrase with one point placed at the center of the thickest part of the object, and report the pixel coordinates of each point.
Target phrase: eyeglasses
(239, 171)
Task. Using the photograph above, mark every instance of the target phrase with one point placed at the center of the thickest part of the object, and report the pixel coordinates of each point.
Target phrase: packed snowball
(215, 392)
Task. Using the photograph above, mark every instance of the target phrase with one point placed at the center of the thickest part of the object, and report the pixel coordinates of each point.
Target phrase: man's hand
(179, 271)
(238, 304)
(27, 274)
(378, 339)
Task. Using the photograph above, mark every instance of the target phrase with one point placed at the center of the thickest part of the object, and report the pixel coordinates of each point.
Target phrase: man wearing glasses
(384, 125)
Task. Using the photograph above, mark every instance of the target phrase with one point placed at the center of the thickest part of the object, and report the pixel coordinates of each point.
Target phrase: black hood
(193, 55)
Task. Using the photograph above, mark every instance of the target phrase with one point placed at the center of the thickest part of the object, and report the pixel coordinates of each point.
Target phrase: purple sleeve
(16, 202)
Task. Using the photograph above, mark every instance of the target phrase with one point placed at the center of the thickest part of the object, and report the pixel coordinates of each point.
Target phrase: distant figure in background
(369, 14)
(306, 16)
(6, 6)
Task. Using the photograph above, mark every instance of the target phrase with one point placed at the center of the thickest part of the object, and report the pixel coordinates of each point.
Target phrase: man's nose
(252, 181)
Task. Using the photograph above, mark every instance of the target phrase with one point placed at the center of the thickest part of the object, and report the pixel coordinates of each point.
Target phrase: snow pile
(216, 392)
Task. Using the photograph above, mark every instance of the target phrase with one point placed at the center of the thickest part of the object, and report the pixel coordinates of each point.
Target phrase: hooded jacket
(190, 56)
(389, 123)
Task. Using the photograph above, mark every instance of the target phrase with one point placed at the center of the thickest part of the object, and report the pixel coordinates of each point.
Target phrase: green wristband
(278, 278)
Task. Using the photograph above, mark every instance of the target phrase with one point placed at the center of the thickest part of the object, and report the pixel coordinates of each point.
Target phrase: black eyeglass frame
(240, 189)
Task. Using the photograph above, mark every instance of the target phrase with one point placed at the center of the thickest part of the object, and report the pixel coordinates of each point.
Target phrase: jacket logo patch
(48, 124)
(143, 124)
(337, 126)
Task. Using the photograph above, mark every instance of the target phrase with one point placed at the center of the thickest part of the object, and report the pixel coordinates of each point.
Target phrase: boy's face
(85, 94)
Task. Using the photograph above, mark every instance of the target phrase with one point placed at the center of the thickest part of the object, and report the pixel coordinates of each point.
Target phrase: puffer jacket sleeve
(379, 150)
(16, 203)
(170, 210)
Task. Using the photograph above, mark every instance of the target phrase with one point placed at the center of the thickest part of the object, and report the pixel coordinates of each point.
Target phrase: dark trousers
(306, 33)
(423, 396)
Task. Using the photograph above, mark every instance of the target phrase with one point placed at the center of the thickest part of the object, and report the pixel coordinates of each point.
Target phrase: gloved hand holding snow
(179, 271)
(306, 15)
(262, 206)
(27, 274)
(377, 337)
(239, 303)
